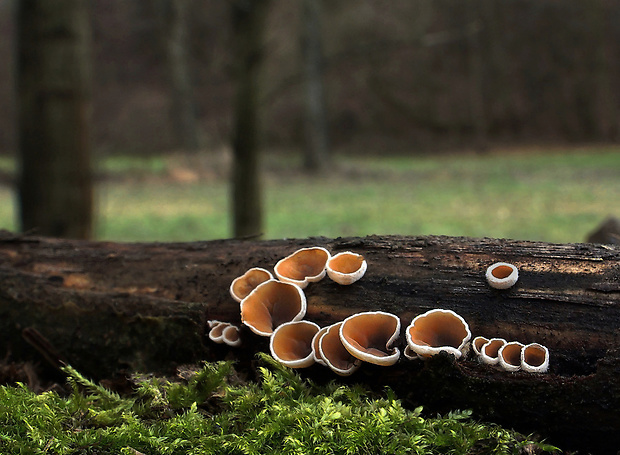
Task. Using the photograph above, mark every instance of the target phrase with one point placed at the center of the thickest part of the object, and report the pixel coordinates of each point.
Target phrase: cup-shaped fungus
(368, 337)
(334, 354)
(291, 343)
(346, 267)
(241, 286)
(304, 266)
(489, 353)
(510, 356)
(502, 275)
(316, 352)
(477, 344)
(231, 335)
(272, 303)
(535, 358)
(216, 334)
(436, 331)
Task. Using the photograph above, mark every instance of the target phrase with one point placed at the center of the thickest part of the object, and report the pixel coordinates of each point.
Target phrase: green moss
(213, 412)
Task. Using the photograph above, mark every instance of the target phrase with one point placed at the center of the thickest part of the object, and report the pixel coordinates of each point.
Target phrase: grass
(213, 412)
(555, 196)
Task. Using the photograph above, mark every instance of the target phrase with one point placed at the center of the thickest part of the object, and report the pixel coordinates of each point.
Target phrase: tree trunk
(54, 108)
(182, 108)
(248, 20)
(105, 307)
(316, 145)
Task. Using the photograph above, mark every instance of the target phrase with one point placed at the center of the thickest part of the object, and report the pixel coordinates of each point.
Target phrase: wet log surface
(109, 308)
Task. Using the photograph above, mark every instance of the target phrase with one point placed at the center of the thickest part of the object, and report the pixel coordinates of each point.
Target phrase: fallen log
(112, 307)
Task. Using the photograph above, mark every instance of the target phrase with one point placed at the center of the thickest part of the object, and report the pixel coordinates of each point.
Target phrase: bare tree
(174, 15)
(248, 18)
(316, 142)
(54, 107)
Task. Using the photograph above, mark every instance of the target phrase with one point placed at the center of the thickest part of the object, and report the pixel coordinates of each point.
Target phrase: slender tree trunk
(54, 109)
(182, 106)
(316, 144)
(476, 67)
(248, 21)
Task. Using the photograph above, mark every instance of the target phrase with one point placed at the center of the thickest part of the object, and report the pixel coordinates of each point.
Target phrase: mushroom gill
(303, 266)
(271, 304)
(334, 354)
(368, 337)
(291, 343)
(346, 267)
(435, 331)
(241, 286)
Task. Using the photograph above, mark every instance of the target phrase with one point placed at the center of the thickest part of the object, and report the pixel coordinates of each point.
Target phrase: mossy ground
(213, 412)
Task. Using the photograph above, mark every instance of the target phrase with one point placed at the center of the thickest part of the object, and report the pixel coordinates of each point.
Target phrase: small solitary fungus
(246, 283)
(510, 356)
(436, 331)
(291, 343)
(489, 353)
(304, 266)
(502, 275)
(368, 337)
(535, 358)
(335, 355)
(346, 267)
(272, 303)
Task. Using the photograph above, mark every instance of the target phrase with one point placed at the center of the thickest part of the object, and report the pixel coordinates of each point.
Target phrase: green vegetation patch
(214, 412)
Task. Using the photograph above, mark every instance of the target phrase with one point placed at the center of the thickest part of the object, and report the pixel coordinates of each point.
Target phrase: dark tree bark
(248, 22)
(107, 307)
(54, 108)
(316, 144)
(174, 15)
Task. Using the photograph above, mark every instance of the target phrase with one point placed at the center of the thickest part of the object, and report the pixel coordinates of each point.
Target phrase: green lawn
(556, 196)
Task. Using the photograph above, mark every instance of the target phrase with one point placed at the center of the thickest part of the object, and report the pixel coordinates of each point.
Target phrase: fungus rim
(502, 359)
(355, 364)
(346, 278)
(234, 295)
(504, 281)
(530, 368)
(492, 359)
(302, 362)
(383, 360)
(425, 350)
(307, 278)
(260, 288)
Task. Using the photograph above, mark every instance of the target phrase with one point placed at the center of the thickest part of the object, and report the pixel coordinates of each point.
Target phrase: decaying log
(110, 307)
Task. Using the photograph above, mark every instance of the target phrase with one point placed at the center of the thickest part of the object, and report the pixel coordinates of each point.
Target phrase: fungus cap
(489, 353)
(335, 355)
(346, 267)
(272, 303)
(510, 356)
(436, 331)
(241, 286)
(535, 358)
(368, 337)
(502, 275)
(291, 343)
(304, 266)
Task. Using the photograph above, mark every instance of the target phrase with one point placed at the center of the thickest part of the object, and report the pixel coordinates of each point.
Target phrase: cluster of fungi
(275, 307)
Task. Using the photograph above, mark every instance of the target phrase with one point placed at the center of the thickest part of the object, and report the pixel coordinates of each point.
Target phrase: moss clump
(212, 412)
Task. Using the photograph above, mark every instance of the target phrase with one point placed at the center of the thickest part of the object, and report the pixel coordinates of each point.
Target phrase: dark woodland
(415, 76)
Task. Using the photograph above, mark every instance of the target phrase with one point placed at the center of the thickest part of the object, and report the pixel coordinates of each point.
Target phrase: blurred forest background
(398, 77)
